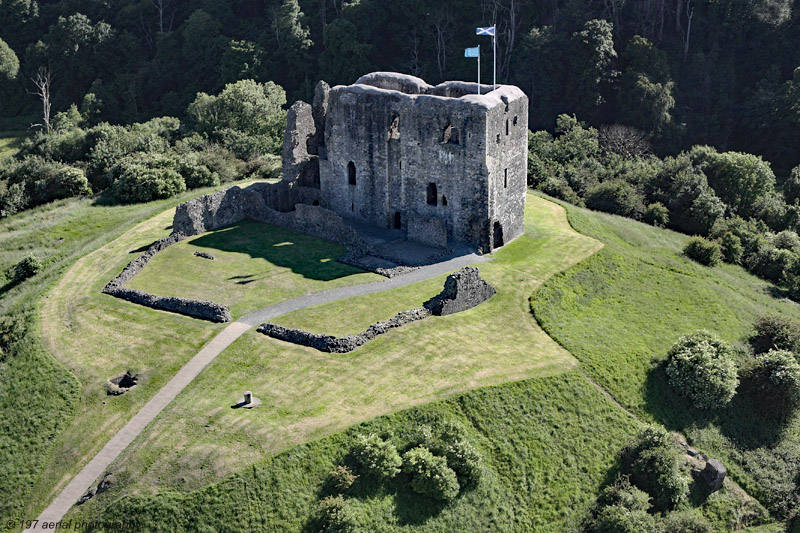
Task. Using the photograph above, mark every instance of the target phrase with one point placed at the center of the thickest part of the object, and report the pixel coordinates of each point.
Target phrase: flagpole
(494, 62)
(479, 70)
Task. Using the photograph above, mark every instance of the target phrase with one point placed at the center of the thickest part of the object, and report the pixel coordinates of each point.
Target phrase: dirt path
(81, 483)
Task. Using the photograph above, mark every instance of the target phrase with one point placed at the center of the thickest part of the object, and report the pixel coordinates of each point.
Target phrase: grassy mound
(548, 444)
(625, 306)
(38, 393)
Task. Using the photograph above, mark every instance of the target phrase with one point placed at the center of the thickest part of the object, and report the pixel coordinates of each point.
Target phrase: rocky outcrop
(202, 309)
(462, 290)
(329, 343)
(714, 474)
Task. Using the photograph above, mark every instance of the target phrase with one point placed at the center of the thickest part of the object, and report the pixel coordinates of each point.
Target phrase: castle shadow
(307, 256)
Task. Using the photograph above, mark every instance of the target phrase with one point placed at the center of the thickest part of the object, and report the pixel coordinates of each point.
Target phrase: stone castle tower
(439, 162)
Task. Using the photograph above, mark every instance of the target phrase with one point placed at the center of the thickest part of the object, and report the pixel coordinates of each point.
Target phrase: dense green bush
(775, 380)
(615, 196)
(430, 474)
(776, 332)
(13, 198)
(686, 522)
(376, 456)
(341, 478)
(771, 263)
(624, 494)
(334, 515)
(26, 268)
(465, 461)
(12, 328)
(618, 519)
(651, 460)
(138, 183)
(702, 368)
(703, 251)
(195, 173)
(732, 249)
(656, 214)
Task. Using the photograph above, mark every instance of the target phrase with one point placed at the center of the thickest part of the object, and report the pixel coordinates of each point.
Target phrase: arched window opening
(515, 119)
(394, 128)
(432, 194)
(315, 202)
(351, 173)
(444, 200)
(450, 135)
(398, 221)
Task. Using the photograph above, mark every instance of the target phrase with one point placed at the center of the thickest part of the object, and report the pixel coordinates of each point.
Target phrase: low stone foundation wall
(427, 230)
(266, 203)
(202, 309)
(329, 343)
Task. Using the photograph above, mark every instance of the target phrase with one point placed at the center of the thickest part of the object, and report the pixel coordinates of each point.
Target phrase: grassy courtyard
(625, 306)
(308, 394)
(255, 265)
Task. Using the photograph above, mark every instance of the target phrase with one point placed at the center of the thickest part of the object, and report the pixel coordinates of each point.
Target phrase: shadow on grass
(741, 421)
(307, 256)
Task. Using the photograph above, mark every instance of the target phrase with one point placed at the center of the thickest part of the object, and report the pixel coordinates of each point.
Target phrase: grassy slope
(37, 393)
(255, 266)
(309, 394)
(548, 444)
(10, 142)
(629, 303)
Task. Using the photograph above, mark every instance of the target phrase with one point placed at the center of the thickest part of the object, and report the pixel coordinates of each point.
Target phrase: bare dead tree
(624, 140)
(505, 17)
(323, 16)
(689, 15)
(161, 6)
(441, 24)
(413, 51)
(42, 82)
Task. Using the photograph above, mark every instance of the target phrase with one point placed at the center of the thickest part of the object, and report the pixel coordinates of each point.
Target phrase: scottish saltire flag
(472, 52)
(485, 31)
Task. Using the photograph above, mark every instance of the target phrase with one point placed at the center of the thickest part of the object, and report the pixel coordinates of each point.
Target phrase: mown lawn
(548, 444)
(38, 394)
(308, 394)
(255, 265)
(623, 308)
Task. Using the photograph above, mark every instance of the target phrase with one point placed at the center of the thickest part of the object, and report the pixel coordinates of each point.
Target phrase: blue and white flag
(485, 31)
(472, 52)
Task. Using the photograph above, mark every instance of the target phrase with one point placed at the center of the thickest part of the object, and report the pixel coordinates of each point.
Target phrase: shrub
(138, 183)
(687, 522)
(13, 199)
(771, 263)
(775, 380)
(624, 494)
(376, 456)
(342, 478)
(334, 515)
(657, 215)
(12, 328)
(615, 196)
(732, 249)
(465, 461)
(24, 269)
(651, 460)
(703, 251)
(219, 161)
(430, 474)
(701, 368)
(786, 240)
(776, 331)
(618, 519)
(195, 174)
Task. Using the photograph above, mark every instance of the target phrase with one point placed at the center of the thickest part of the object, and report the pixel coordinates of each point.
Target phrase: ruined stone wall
(427, 230)
(202, 309)
(462, 290)
(329, 343)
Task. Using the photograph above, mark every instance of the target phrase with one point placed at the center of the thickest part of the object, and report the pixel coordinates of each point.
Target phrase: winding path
(81, 483)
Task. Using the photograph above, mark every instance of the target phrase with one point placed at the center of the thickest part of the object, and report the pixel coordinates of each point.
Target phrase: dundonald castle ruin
(440, 163)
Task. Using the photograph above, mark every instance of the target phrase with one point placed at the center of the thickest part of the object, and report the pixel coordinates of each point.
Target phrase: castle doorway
(497, 233)
(398, 221)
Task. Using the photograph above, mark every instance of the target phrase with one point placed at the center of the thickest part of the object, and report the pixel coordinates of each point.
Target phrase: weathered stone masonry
(462, 290)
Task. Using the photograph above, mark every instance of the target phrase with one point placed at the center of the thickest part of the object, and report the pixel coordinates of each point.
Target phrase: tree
(430, 474)
(594, 52)
(775, 381)
(701, 367)
(9, 64)
(376, 456)
(42, 82)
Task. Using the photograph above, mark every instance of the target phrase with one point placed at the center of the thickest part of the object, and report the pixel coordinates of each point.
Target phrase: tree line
(685, 72)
